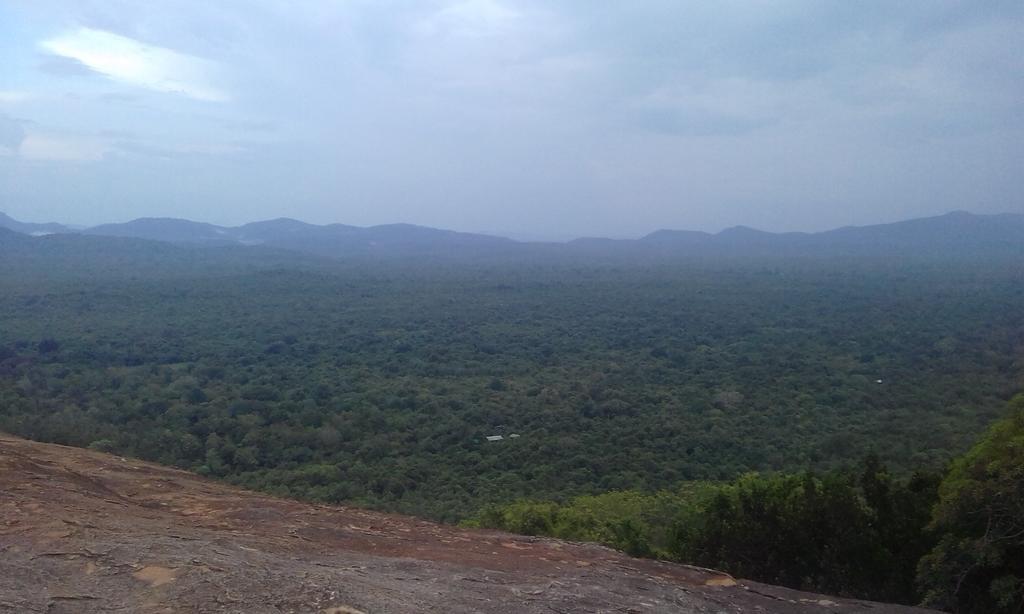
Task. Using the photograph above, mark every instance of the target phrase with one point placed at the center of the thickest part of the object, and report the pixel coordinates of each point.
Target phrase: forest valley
(806, 424)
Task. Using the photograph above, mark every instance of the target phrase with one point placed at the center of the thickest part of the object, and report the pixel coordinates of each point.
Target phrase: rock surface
(84, 532)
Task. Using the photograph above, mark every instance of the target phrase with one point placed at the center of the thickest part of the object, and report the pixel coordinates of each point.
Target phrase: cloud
(62, 148)
(135, 63)
(118, 98)
(12, 133)
(695, 122)
(578, 116)
(63, 66)
(141, 148)
(251, 125)
(470, 19)
(14, 96)
(719, 107)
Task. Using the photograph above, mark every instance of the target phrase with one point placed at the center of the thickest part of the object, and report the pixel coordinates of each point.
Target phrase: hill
(955, 236)
(166, 229)
(31, 229)
(332, 240)
(88, 532)
(82, 257)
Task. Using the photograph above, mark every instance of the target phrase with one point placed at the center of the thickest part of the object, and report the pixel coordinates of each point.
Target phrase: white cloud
(14, 96)
(469, 18)
(154, 150)
(129, 61)
(62, 148)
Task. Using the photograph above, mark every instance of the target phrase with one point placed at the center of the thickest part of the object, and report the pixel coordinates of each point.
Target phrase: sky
(528, 119)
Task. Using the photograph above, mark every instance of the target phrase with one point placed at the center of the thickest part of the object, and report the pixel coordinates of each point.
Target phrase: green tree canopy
(978, 564)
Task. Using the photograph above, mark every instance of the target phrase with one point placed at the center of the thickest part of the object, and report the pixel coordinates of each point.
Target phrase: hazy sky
(541, 119)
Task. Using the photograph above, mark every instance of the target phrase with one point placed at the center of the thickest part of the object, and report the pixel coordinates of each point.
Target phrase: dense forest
(855, 532)
(379, 385)
(791, 420)
(955, 543)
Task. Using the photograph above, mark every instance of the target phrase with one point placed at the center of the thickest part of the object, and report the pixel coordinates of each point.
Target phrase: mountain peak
(743, 231)
(29, 228)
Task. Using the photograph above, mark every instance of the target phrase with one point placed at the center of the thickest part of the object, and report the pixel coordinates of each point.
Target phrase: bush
(103, 445)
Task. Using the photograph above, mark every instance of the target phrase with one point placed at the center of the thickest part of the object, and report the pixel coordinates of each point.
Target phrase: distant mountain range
(31, 229)
(958, 230)
(957, 234)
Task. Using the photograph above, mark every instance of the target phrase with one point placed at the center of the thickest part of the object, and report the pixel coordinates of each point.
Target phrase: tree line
(953, 541)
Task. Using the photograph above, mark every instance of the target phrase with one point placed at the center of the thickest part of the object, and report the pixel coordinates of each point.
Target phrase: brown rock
(84, 532)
